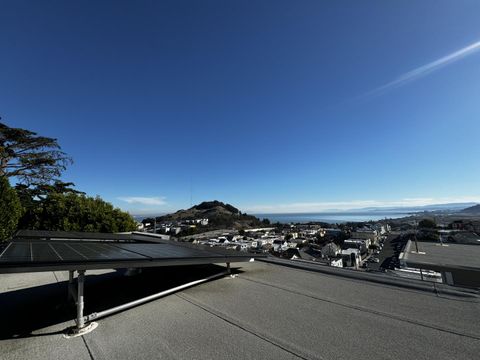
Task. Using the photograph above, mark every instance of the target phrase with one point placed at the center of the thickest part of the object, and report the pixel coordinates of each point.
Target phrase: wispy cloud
(424, 70)
(355, 204)
(148, 201)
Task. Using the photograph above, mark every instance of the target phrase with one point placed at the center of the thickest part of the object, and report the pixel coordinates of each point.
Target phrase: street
(388, 256)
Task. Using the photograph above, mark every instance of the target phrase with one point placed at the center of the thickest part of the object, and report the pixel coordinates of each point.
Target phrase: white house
(361, 244)
(336, 262)
(351, 257)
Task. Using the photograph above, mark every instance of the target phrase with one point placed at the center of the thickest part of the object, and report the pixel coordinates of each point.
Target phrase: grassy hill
(219, 215)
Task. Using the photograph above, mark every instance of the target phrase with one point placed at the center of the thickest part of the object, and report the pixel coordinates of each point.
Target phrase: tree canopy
(10, 209)
(427, 223)
(77, 212)
(33, 196)
(30, 158)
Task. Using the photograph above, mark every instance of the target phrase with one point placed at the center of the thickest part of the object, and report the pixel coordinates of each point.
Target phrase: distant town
(374, 246)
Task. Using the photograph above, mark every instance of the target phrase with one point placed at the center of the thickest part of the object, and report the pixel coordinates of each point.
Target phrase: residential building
(365, 233)
(361, 244)
(351, 257)
(459, 264)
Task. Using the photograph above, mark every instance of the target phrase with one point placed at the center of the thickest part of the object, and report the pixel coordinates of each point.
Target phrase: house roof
(267, 311)
(350, 250)
(435, 255)
(466, 237)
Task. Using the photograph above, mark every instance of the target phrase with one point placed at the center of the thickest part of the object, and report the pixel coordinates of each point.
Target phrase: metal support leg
(81, 280)
(70, 285)
(81, 328)
(229, 271)
(85, 324)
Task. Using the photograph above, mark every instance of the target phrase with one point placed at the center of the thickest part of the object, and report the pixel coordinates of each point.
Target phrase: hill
(219, 215)
(474, 210)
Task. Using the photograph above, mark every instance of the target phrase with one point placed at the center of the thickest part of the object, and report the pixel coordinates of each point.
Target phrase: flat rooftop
(267, 311)
(448, 255)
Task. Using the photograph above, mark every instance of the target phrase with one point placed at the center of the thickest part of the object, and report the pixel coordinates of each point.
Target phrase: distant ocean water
(337, 217)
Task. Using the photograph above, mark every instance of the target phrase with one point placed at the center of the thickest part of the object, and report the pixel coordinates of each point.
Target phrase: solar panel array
(22, 235)
(62, 254)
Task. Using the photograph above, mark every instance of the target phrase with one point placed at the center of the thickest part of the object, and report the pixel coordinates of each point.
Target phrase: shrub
(10, 209)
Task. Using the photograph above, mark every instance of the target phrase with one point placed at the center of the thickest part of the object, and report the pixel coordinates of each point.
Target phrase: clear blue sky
(267, 105)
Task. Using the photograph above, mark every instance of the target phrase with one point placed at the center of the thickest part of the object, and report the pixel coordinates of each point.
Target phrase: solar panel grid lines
(55, 251)
(42, 253)
(18, 252)
(132, 251)
(91, 252)
(167, 251)
(76, 251)
(3, 248)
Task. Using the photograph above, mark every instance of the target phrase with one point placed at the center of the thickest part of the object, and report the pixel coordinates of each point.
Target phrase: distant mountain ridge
(433, 207)
(474, 210)
(454, 207)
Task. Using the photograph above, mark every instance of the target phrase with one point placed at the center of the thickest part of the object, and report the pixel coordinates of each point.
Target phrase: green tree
(77, 212)
(32, 197)
(10, 209)
(30, 158)
(188, 231)
(427, 224)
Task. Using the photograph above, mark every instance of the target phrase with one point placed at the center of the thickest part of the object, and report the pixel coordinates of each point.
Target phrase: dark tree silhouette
(30, 158)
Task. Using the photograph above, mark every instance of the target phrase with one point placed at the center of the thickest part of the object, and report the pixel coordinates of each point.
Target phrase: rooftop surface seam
(371, 311)
(88, 348)
(299, 315)
(243, 328)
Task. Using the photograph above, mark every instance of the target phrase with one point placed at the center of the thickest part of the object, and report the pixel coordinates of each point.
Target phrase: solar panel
(23, 235)
(167, 251)
(74, 255)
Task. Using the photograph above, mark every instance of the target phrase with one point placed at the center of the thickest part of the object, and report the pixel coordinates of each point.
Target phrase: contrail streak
(425, 69)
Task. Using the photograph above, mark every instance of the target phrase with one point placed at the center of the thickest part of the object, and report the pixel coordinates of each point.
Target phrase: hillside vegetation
(219, 215)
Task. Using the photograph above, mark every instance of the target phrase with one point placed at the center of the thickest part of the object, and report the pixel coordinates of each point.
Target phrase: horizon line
(308, 208)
